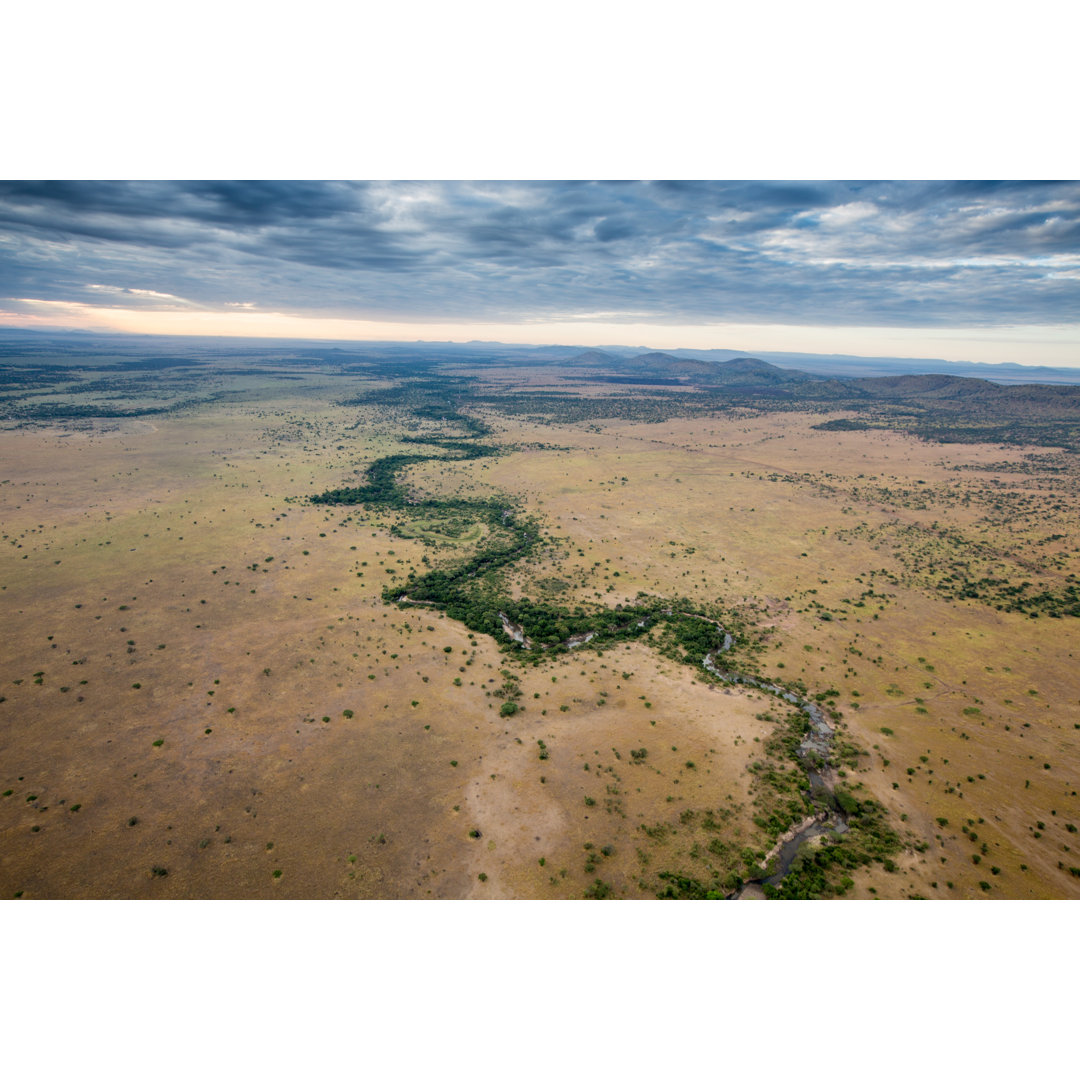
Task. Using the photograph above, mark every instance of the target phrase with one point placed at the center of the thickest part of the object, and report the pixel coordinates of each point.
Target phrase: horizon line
(108, 332)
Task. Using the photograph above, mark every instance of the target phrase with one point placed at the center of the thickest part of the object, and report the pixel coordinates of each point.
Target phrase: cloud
(825, 253)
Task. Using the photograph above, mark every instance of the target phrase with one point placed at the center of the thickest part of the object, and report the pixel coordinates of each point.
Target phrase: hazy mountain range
(65, 346)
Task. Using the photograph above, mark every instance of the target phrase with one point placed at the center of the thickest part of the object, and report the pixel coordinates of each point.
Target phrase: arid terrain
(208, 689)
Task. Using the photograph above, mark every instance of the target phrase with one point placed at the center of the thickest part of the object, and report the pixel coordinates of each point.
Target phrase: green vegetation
(819, 872)
(679, 887)
(473, 590)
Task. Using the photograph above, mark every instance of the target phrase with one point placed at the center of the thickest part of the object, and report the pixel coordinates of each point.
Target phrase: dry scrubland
(203, 694)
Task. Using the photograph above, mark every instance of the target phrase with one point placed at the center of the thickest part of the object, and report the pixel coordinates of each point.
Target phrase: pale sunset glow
(1049, 345)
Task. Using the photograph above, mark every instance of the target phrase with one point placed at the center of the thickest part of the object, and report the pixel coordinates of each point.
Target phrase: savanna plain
(285, 626)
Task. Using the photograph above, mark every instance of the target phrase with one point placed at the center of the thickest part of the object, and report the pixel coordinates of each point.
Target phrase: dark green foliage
(814, 874)
(843, 425)
(469, 590)
(678, 887)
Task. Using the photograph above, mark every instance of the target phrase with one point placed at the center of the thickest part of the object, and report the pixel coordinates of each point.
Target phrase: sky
(978, 271)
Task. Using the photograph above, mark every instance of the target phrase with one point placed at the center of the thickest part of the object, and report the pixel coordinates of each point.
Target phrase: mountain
(749, 371)
(744, 371)
(938, 387)
(591, 358)
(652, 364)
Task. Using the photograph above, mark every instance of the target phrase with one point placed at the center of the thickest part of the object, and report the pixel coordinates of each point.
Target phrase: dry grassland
(205, 696)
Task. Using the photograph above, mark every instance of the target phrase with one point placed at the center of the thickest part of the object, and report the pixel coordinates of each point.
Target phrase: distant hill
(973, 396)
(749, 371)
(590, 358)
(743, 371)
(940, 387)
(652, 364)
(846, 366)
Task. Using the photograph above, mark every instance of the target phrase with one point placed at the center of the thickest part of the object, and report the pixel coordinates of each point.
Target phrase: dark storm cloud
(872, 253)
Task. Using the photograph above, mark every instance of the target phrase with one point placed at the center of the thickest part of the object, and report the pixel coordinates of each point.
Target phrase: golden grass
(191, 532)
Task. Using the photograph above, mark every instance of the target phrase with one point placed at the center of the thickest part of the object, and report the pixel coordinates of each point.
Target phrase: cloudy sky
(968, 271)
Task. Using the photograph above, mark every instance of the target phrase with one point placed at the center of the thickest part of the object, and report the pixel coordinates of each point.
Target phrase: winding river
(813, 751)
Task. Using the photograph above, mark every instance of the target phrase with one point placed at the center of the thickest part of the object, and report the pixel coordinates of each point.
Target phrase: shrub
(847, 802)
